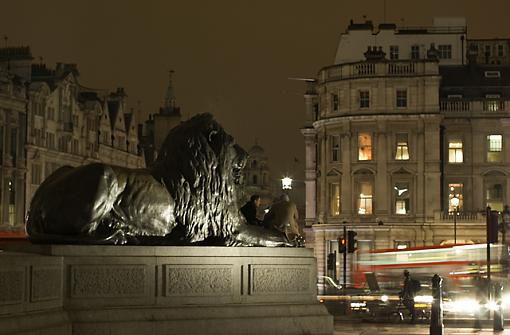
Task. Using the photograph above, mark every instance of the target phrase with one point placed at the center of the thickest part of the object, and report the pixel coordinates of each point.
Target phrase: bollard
(498, 322)
(436, 315)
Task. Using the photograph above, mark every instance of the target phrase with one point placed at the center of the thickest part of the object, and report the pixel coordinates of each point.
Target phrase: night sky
(231, 58)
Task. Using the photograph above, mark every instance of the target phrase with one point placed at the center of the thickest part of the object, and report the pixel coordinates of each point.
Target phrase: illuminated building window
(494, 196)
(334, 103)
(445, 51)
(494, 148)
(402, 98)
(364, 147)
(402, 147)
(393, 51)
(401, 193)
(334, 199)
(415, 52)
(455, 190)
(364, 99)
(365, 198)
(455, 153)
(493, 103)
(334, 141)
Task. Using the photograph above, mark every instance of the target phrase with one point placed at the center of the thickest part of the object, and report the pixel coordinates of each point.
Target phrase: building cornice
(374, 117)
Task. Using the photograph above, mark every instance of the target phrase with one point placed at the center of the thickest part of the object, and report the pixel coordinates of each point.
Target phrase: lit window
(455, 190)
(334, 102)
(364, 99)
(401, 192)
(402, 150)
(334, 199)
(494, 148)
(445, 51)
(493, 103)
(415, 52)
(335, 148)
(401, 98)
(494, 197)
(393, 51)
(365, 198)
(364, 147)
(455, 154)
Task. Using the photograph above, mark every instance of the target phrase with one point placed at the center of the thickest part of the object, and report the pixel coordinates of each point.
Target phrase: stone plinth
(168, 290)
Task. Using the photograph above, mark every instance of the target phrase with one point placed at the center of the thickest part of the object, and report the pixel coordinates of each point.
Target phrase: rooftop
(15, 53)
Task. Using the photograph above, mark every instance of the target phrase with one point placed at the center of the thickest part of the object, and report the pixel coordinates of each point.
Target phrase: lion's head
(201, 166)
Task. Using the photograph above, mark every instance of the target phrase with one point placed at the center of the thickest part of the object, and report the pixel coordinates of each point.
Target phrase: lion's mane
(200, 165)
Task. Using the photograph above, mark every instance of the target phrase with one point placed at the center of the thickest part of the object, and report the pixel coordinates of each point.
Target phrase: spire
(170, 94)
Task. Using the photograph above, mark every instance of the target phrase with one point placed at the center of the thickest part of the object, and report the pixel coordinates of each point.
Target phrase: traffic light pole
(489, 223)
(345, 259)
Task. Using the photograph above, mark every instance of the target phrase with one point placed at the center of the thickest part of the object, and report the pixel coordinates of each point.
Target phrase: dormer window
(492, 74)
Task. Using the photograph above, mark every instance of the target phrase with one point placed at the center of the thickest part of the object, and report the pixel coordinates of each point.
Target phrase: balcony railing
(463, 216)
(461, 105)
(378, 69)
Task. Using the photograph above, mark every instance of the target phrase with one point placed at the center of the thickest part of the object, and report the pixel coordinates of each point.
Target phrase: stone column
(310, 136)
(381, 177)
(322, 201)
(431, 166)
(346, 187)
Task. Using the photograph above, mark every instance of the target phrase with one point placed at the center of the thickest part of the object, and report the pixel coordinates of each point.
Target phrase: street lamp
(506, 222)
(286, 183)
(455, 204)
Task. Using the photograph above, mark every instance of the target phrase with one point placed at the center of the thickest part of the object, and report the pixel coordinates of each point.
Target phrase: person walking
(411, 287)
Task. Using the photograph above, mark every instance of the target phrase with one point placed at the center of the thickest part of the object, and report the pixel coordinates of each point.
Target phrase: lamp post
(455, 204)
(286, 183)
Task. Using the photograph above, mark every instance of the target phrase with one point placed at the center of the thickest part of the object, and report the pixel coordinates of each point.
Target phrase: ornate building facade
(58, 122)
(258, 179)
(390, 142)
(13, 126)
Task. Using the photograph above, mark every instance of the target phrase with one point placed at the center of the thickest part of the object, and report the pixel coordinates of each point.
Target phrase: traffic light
(351, 241)
(342, 245)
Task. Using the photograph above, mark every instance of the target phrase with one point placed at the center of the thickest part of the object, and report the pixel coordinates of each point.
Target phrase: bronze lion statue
(188, 197)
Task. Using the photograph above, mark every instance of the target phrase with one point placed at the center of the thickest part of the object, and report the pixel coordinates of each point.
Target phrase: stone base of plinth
(165, 290)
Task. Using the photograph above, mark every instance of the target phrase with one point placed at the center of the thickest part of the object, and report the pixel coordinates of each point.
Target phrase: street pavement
(347, 327)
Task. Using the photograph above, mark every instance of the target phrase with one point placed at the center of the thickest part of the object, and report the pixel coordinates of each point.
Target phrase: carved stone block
(90, 281)
(198, 280)
(46, 283)
(12, 286)
(267, 279)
